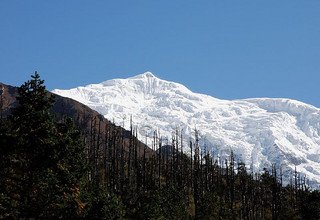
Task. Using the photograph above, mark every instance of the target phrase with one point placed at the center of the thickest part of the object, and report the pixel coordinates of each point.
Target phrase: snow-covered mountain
(260, 131)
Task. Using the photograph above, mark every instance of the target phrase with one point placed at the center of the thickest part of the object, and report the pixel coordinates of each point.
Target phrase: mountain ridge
(261, 131)
(81, 114)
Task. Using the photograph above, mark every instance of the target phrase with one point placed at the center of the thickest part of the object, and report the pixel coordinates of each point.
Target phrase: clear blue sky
(227, 49)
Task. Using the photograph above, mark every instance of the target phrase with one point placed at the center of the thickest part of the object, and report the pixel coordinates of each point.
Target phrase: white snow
(260, 131)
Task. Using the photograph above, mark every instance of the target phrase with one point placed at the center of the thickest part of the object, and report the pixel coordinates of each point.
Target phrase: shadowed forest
(76, 166)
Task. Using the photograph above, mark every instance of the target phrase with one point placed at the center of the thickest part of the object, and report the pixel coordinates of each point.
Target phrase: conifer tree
(45, 163)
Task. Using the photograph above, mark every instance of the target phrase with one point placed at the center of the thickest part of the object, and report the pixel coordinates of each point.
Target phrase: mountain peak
(145, 75)
(148, 74)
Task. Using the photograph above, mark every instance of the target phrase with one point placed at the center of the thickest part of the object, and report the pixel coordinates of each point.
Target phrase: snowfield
(260, 131)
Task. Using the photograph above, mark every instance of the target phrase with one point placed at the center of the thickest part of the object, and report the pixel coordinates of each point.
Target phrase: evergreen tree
(44, 160)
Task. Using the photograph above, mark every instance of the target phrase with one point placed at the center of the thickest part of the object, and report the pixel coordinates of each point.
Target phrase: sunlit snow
(260, 131)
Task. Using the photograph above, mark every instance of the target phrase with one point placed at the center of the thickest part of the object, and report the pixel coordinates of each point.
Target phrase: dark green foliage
(104, 205)
(210, 208)
(162, 203)
(43, 160)
(174, 203)
(310, 205)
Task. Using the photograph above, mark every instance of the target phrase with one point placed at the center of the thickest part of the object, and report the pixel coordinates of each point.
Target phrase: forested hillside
(60, 160)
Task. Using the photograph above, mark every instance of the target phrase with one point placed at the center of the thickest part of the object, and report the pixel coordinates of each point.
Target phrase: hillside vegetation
(51, 167)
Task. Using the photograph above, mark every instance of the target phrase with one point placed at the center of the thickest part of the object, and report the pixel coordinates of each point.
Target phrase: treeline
(49, 169)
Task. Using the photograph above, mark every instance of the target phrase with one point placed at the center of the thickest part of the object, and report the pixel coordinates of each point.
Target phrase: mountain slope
(261, 132)
(82, 115)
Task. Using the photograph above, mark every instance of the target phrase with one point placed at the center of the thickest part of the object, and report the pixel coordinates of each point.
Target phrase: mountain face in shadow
(86, 119)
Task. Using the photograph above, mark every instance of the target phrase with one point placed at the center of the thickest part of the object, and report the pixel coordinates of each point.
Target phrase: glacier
(260, 131)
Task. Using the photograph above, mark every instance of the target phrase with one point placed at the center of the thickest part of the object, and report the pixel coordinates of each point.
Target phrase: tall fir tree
(45, 160)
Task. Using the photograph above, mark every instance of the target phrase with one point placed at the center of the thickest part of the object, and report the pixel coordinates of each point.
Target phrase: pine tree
(45, 161)
(32, 129)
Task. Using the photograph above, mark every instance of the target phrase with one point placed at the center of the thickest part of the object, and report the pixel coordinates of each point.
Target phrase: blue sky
(227, 49)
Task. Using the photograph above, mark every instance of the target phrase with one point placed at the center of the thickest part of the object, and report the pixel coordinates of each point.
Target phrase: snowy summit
(260, 131)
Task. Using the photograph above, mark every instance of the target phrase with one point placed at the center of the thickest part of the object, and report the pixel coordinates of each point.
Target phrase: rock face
(260, 131)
